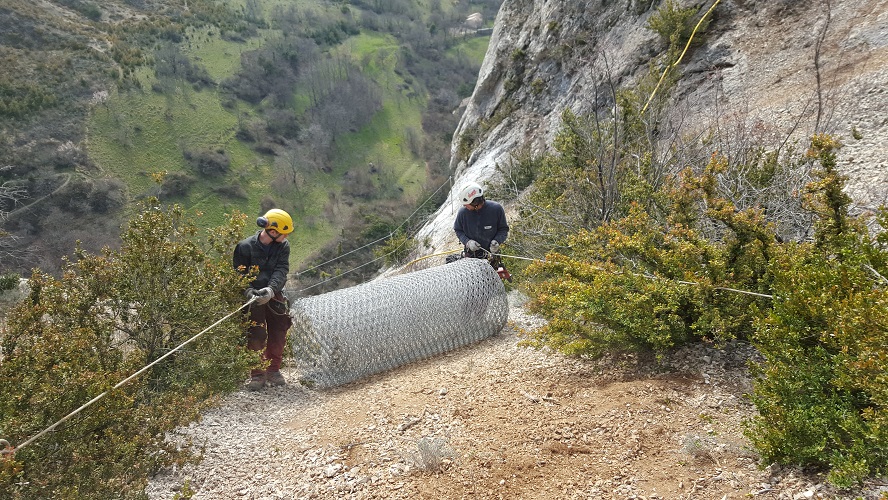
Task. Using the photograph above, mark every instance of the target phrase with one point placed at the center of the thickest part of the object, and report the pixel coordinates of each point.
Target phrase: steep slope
(759, 61)
(346, 136)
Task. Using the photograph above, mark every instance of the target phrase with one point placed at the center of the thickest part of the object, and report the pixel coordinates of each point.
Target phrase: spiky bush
(651, 282)
(639, 283)
(103, 319)
(822, 389)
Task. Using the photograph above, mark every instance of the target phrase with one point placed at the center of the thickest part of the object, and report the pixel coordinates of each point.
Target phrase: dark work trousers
(268, 331)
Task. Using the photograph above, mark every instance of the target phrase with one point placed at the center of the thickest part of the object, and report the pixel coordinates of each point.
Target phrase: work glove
(249, 293)
(494, 246)
(473, 246)
(264, 295)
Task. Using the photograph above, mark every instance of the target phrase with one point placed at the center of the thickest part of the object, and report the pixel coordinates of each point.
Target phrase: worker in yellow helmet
(268, 250)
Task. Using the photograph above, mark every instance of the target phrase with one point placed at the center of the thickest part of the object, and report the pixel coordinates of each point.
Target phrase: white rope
(648, 276)
(37, 436)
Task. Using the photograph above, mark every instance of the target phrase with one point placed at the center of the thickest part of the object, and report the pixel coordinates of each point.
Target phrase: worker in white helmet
(480, 224)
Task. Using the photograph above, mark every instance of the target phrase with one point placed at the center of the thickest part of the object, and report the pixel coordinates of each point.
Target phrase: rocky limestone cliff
(759, 60)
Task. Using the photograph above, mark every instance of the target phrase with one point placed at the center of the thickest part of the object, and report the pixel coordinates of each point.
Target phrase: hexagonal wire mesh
(344, 335)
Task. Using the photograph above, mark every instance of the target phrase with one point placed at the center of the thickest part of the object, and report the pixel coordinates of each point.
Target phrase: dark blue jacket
(483, 226)
(273, 261)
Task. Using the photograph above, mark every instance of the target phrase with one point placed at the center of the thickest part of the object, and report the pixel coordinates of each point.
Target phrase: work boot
(275, 379)
(257, 382)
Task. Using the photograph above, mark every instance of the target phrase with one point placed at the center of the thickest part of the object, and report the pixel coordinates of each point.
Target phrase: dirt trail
(496, 420)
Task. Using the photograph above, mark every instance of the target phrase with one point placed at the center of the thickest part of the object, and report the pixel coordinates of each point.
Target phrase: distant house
(474, 21)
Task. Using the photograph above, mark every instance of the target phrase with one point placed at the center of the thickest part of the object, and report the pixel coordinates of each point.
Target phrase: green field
(473, 48)
(138, 133)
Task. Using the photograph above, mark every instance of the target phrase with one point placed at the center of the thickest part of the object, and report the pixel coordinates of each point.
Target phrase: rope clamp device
(496, 261)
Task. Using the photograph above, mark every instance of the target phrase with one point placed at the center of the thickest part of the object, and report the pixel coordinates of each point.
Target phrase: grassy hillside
(337, 112)
(137, 133)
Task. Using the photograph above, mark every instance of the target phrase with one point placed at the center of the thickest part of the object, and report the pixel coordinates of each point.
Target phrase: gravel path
(496, 420)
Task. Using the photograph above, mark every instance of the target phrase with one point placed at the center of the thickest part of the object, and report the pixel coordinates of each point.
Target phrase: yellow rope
(427, 256)
(663, 76)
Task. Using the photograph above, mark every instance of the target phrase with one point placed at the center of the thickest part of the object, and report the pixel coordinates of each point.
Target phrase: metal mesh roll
(342, 336)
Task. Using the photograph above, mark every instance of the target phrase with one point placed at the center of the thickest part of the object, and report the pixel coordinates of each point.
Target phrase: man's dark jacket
(273, 261)
(483, 225)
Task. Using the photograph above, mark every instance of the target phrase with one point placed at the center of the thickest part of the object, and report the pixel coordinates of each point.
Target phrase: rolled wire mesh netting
(342, 336)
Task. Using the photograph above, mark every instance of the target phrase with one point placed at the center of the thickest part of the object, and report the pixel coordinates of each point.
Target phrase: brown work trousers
(268, 331)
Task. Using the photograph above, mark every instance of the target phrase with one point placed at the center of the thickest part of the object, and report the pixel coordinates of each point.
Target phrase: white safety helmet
(469, 192)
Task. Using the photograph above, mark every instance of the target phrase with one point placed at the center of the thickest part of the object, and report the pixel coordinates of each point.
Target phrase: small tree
(105, 318)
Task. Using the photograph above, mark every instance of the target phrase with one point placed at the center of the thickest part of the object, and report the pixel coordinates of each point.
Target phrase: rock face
(759, 61)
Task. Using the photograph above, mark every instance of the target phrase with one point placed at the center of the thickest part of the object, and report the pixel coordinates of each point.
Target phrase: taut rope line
(11, 450)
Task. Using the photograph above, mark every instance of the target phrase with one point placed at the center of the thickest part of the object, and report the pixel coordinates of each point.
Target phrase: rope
(663, 76)
(388, 236)
(11, 450)
(520, 258)
(331, 278)
(414, 261)
(870, 268)
(648, 276)
(724, 288)
(448, 252)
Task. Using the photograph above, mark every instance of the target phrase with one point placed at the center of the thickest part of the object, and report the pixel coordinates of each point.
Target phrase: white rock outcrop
(756, 62)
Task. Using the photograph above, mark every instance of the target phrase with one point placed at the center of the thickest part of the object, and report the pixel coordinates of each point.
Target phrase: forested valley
(339, 112)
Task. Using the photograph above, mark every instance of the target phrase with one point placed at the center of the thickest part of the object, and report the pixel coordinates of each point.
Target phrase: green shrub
(212, 163)
(9, 281)
(636, 284)
(396, 248)
(91, 11)
(675, 26)
(590, 178)
(232, 191)
(650, 260)
(821, 391)
(176, 184)
(516, 174)
(468, 141)
(18, 100)
(105, 318)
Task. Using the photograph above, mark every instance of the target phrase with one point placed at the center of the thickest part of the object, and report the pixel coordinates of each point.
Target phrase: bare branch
(10, 196)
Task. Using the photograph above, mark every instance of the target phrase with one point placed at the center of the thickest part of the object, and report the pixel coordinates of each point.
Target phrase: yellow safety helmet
(276, 219)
